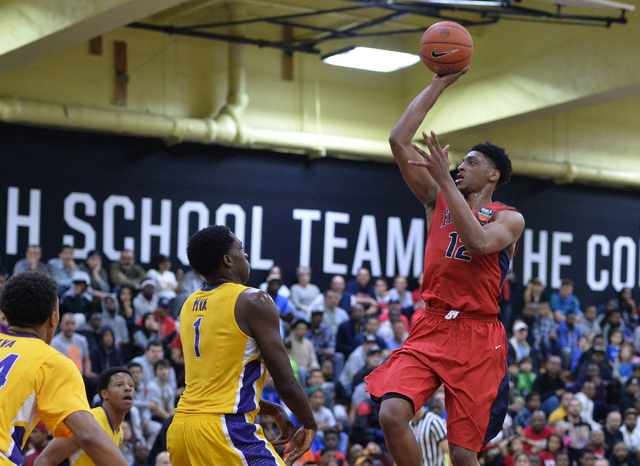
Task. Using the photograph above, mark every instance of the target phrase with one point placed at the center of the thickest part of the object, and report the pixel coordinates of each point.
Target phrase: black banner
(109, 193)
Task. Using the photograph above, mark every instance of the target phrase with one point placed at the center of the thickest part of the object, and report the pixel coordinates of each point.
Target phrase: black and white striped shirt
(430, 431)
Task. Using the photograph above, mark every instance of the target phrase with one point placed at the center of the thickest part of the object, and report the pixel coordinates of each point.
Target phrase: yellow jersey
(80, 458)
(36, 382)
(224, 368)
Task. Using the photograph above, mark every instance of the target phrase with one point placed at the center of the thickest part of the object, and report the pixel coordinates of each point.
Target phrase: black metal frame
(508, 10)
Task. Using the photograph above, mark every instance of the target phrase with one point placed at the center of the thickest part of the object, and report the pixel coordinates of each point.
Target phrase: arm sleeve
(60, 392)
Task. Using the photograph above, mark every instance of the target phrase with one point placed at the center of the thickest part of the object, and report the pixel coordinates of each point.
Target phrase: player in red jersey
(459, 341)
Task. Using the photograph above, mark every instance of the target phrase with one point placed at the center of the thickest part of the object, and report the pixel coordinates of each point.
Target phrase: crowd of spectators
(574, 372)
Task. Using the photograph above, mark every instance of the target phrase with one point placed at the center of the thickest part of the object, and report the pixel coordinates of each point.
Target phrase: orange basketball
(446, 47)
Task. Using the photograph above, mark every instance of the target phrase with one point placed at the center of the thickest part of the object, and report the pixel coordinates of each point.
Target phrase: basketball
(446, 47)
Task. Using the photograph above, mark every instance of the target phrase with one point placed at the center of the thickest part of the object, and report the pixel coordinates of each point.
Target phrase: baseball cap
(600, 349)
(370, 339)
(147, 282)
(393, 300)
(80, 276)
(520, 326)
(316, 388)
(633, 380)
(273, 277)
(41, 427)
(164, 302)
(374, 349)
(93, 252)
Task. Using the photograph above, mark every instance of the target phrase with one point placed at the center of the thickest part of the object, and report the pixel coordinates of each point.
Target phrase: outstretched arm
(255, 309)
(419, 181)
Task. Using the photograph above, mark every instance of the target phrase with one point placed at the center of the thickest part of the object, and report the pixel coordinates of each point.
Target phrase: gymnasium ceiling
(560, 83)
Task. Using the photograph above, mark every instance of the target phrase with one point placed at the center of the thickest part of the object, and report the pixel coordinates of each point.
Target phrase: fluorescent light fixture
(465, 2)
(366, 58)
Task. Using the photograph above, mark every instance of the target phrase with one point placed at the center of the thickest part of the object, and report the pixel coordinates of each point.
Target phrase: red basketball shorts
(464, 352)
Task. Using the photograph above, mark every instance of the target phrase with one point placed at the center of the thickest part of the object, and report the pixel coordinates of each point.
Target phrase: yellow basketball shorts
(220, 440)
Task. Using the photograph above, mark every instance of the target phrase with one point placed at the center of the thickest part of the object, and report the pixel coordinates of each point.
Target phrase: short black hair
(134, 364)
(63, 247)
(153, 343)
(161, 363)
(326, 450)
(157, 260)
(207, 247)
(29, 298)
(499, 159)
(105, 377)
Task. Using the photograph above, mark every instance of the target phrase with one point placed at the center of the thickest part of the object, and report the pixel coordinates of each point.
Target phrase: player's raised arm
(419, 181)
(257, 309)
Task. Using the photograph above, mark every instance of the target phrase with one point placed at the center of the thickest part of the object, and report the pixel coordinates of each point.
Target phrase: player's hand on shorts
(287, 429)
(300, 443)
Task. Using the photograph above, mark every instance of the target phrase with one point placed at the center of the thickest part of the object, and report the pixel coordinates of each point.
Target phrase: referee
(431, 432)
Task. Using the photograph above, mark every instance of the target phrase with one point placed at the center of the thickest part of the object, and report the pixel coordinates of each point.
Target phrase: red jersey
(455, 281)
(539, 438)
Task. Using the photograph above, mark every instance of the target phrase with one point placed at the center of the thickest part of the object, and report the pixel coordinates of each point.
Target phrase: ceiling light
(366, 58)
(466, 2)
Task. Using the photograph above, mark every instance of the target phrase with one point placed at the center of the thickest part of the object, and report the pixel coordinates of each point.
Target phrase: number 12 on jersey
(460, 252)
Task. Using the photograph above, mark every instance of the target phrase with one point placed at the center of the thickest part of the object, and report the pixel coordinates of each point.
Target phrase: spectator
(274, 283)
(535, 293)
(332, 441)
(76, 348)
(161, 392)
(615, 322)
(561, 411)
(356, 361)
(554, 446)
(381, 289)
(167, 329)
(127, 442)
(399, 336)
(518, 346)
(523, 418)
(167, 284)
(31, 261)
(333, 315)
(612, 434)
(92, 265)
(401, 293)
(585, 397)
(146, 300)
(191, 282)
(568, 336)
(303, 292)
(620, 455)
(630, 432)
(140, 454)
(525, 378)
(323, 344)
(578, 432)
(623, 365)
(126, 272)
(62, 268)
(125, 303)
(550, 385)
(323, 416)
(302, 350)
(585, 457)
(371, 327)
(276, 271)
(107, 354)
(387, 319)
(362, 289)
(596, 444)
(536, 433)
(141, 423)
(90, 330)
(373, 360)
(349, 330)
(544, 330)
(615, 338)
(345, 299)
(630, 394)
(78, 299)
(564, 300)
(112, 318)
(589, 323)
(147, 361)
(39, 439)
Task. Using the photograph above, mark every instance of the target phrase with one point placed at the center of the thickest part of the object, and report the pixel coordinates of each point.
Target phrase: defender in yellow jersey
(117, 392)
(36, 381)
(230, 337)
